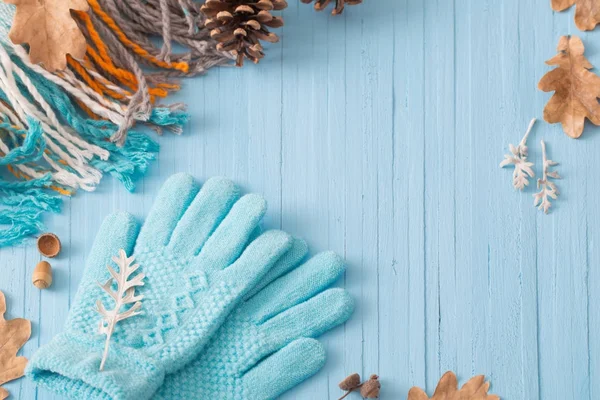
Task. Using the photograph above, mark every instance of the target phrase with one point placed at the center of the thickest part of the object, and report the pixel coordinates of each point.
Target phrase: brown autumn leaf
(447, 389)
(49, 29)
(576, 89)
(13, 335)
(587, 13)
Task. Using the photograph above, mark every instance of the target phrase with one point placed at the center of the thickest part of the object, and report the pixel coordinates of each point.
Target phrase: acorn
(351, 382)
(42, 275)
(49, 245)
(370, 389)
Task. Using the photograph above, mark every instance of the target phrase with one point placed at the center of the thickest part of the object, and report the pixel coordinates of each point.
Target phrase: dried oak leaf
(576, 89)
(447, 389)
(13, 335)
(587, 13)
(49, 30)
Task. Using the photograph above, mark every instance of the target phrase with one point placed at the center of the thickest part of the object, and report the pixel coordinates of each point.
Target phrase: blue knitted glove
(264, 347)
(194, 251)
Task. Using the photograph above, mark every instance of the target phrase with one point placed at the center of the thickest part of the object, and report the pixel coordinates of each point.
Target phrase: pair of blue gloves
(226, 313)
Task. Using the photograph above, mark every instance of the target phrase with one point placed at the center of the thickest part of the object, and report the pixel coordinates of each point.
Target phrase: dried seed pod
(320, 5)
(42, 275)
(49, 245)
(370, 389)
(350, 382)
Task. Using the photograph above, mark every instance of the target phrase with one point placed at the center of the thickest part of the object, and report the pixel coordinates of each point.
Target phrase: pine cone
(339, 5)
(240, 25)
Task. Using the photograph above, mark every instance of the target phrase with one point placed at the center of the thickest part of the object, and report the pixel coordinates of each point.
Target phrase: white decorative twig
(518, 158)
(541, 200)
(125, 294)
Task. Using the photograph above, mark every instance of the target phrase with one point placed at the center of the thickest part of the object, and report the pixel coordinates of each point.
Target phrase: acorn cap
(49, 245)
(42, 275)
(350, 382)
(370, 389)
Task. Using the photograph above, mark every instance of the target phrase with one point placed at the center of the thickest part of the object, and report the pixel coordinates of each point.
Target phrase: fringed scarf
(63, 131)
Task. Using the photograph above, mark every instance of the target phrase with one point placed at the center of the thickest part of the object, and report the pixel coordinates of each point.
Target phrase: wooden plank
(440, 310)
(401, 249)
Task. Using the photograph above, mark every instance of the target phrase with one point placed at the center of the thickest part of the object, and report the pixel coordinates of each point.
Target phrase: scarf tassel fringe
(60, 132)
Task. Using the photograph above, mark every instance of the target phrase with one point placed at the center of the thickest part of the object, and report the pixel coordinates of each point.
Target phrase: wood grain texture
(378, 135)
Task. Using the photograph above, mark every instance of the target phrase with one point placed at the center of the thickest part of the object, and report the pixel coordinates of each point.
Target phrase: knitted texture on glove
(194, 251)
(265, 346)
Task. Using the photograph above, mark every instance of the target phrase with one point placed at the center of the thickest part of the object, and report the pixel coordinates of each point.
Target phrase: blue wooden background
(378, 134)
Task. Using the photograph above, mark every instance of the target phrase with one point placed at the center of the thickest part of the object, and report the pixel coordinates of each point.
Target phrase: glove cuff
(69, 366)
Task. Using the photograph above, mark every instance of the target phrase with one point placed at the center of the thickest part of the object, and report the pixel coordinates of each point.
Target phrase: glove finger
(259, 257)
(231, 237)
(285, 369)
(288, 262)
(256, 233)
(309, 319)
(311, 278)
(208, 209)
(118, 231)
(173, 199)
